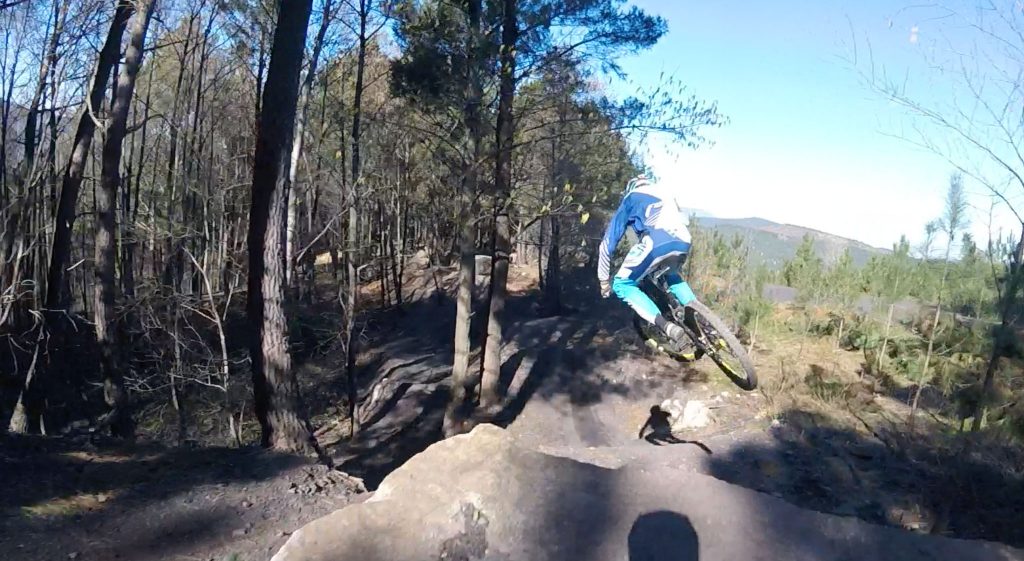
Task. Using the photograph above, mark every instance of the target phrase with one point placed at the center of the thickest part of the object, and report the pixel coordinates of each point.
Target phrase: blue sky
(808, 143)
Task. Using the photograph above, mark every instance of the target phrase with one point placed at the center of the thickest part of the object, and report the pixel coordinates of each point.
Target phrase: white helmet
(635, 183)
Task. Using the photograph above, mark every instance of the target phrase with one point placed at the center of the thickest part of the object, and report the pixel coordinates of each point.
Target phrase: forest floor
(816, 434)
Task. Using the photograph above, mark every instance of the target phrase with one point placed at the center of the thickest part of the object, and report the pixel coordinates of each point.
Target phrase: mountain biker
(655, 215)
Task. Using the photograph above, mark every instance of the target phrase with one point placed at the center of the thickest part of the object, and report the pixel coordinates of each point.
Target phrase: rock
(694, 416)
(420, 259)
(240, 532)
(484, 496)
(673, 407)
(73, 555)
(483, 265)
(246, 504)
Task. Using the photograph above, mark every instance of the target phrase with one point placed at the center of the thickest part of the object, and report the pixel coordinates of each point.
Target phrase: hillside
(772, 243)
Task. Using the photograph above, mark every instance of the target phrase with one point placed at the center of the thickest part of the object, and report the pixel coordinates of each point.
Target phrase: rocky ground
(742, 474)
(70, 499)
(486, 496)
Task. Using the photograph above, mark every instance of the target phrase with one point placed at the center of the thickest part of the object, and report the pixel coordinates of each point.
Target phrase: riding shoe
(674, 332)
(671, 330)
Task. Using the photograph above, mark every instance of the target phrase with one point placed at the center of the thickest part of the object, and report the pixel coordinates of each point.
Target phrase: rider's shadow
(661, 430)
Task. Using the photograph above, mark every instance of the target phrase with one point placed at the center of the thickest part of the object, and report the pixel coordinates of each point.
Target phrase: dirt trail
(69, 499)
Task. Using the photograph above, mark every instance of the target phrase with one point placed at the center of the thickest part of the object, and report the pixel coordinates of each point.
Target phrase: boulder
(694, 414)
(483, 265)
(484, 496)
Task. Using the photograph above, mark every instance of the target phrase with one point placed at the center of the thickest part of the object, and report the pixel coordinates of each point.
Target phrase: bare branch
(11, 3)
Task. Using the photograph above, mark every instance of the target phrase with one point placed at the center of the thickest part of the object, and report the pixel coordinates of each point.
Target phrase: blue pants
(642, 259)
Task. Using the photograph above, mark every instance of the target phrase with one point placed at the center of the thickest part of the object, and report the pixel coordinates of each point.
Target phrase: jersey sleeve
(612, 235)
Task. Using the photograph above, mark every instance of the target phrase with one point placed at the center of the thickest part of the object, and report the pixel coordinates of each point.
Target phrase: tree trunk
(1009, 300)
(550, 283)
(292, 237)
(32, 119)
(118, 418)
(27, 410)
(462, 381)
(490, 383)
(353, 224)
(275, 388)
(130, 240)
(553, 283)
(7, 86)
(56, 300)
(172, 265)
(18, 226)
(885, 340)
(931, 338)
(397, 247)
(927, 361)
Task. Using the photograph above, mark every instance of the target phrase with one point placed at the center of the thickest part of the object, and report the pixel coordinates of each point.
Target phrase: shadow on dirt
(546, 358)
(925, 484)
(663, 536)
(661, 431)
(88, 488)
(387, 444)
(126, 473)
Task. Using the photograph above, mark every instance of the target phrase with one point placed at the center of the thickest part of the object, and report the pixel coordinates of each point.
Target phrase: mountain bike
(708, 336)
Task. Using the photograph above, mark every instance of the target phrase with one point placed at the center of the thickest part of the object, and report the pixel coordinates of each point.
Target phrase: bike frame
(704, 336)
(678, 312)
(657, 278)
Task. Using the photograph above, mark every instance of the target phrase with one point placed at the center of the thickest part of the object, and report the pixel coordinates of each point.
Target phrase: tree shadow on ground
(413, 353)
(569, 356)
(409, 356)
(386, 445)
(924, 484)
(177, 534)
(78, 485)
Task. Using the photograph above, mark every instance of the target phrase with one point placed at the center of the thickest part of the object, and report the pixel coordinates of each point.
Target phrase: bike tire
(749, 382)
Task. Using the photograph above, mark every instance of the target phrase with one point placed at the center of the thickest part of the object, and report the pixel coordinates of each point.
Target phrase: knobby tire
(733, 345)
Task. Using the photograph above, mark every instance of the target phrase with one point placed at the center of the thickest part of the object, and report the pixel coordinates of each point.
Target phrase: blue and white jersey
(652, 210)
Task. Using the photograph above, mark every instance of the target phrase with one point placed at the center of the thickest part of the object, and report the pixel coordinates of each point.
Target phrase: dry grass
(68, 506)
(804, 372)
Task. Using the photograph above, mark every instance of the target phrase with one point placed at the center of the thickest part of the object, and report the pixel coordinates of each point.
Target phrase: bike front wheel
(721, 346)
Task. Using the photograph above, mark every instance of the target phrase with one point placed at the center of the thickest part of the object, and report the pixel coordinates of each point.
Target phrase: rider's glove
(606, 288)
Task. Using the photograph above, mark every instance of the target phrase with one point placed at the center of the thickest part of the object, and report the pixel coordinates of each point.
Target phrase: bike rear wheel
(721, 346)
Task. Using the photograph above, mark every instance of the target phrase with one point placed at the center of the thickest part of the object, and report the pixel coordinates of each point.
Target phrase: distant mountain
(698, 212)
(773, 244)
